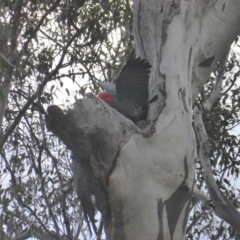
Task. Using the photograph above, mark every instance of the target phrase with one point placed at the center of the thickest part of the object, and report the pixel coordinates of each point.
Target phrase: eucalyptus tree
(135, 183)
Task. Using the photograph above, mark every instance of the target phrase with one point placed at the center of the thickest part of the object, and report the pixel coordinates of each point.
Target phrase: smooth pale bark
(222, 206)
(142, 180)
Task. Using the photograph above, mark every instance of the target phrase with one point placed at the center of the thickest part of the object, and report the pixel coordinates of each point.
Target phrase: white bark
(219, 26)
(143, 180)
(223, 207)
(201, 196)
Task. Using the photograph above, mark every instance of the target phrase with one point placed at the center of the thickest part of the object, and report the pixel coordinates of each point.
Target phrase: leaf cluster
(48, 48)
(222, 127)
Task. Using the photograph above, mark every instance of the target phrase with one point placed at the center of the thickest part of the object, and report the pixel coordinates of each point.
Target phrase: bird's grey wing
(132, 82)
(108, 86)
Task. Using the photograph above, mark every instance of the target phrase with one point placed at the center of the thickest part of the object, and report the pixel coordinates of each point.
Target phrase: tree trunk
(142, 180)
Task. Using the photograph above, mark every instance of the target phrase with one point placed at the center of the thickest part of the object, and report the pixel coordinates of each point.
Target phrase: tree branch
(223, 207)
(201, 196)
(19, 116)
(38, 26)
(214, 42)
(218, 84)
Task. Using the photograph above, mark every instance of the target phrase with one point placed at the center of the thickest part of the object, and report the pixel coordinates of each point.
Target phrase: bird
(128, 94)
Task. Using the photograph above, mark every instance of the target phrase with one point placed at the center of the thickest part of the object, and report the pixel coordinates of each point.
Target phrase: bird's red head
(107, 97)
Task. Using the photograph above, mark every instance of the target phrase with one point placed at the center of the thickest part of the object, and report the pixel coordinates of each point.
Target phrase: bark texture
(94, 133)
(142, 180)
